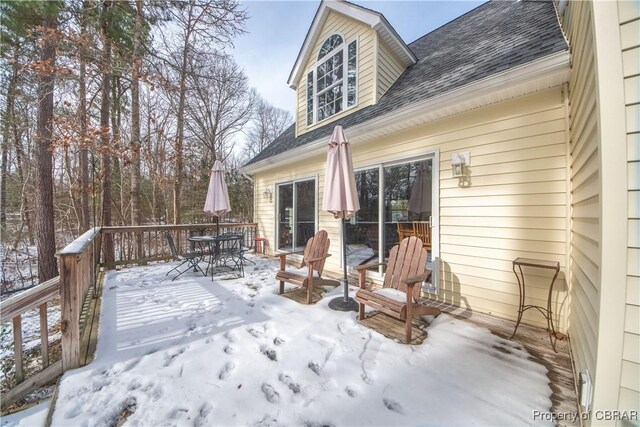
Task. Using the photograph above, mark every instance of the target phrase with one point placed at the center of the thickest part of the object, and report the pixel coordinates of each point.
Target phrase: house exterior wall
(586, 186)
(389, 68)
(629, 19)
(367, 42)
(515, 205)
(602, 271)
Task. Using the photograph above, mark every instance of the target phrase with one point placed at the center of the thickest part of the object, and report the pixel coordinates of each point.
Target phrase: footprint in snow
(201, 419)
(316, 424)
(392, 405)
(270, 393)
(350, 392)
(231, 337)
(267, 421)
(314, 367)
(170, 358)
(286, 380)
(254, 332)
(368, 359)
(228, 349)
(278, 341)
(269, 352)
(226, 370)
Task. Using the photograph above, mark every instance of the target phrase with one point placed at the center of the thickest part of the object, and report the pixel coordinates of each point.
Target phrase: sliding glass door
(296, 214)
(396, 200)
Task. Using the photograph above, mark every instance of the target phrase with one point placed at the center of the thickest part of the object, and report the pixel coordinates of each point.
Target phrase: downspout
(568, 275)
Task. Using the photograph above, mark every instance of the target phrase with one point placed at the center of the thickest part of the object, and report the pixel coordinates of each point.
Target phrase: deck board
(534, 339)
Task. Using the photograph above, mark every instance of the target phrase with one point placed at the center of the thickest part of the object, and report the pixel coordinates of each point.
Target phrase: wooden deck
(535, 340)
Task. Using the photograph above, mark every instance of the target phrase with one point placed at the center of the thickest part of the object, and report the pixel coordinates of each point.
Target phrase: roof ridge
(451, 22)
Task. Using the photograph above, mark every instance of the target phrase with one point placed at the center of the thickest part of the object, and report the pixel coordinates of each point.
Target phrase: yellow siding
(585, 177)
(389, 68)
(629, 16)
(350, 29)
(515, 206)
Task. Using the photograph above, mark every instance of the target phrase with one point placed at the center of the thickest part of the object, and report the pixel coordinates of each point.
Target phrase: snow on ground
(233, 352)
(33, 416)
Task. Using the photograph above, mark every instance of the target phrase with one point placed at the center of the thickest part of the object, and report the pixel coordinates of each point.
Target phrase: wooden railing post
(44, 335)
(17, 348)
(70, 316)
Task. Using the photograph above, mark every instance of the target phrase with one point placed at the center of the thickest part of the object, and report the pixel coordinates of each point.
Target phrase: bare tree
(202, 24)
(82, 116)
(221, 104)
(268, 123)
(107, 240)
(135, 127)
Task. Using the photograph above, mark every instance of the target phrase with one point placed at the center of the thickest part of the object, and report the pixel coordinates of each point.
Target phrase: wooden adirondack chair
(422, 230)
(400, 292)
(314, 255)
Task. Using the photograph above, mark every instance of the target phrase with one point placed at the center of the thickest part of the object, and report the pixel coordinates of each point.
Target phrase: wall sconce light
(268, 194)
(459, 164)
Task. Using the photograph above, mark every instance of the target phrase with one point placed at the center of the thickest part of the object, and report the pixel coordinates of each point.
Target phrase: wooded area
(113, 113)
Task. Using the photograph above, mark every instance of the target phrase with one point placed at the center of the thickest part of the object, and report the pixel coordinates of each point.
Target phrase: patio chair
(422, 230)
(313, 257)
(400, 293)
(231, 252)
(191, 258)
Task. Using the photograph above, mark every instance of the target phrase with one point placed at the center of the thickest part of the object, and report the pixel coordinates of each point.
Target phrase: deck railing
(146, 243)
(11, 310)
(79, 263)
(77, 276)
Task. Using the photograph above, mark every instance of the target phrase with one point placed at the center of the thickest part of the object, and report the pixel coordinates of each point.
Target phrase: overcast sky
(276, 31)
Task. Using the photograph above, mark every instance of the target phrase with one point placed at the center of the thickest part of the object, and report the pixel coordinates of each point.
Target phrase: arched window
(330, 44)
(331, 86)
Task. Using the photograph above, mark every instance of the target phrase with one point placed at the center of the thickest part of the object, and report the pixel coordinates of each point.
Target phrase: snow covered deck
(232, 352)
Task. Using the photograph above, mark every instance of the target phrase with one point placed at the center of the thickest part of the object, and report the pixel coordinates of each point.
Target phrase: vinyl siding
(350, 29)
(586, 184)
(515, 205)
(629, 17)
(388, 70)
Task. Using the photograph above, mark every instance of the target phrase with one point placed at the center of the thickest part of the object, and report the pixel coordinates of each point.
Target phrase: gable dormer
(348, 60)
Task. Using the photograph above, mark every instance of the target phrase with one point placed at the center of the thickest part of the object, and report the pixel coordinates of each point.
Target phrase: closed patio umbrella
(217, 201)
(420, 199)
(341, 199)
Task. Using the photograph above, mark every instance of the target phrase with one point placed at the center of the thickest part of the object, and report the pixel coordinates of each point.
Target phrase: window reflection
(305, 212)
(285, 216)
(362, 230)
(406, 206)
(296, 214)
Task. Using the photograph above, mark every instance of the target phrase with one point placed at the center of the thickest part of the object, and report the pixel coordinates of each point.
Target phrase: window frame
(344, 50)
(434, 155)
(293, 182)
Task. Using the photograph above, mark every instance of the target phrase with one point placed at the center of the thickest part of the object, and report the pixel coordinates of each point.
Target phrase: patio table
(202, 245)
(224, 250)
(546, 312)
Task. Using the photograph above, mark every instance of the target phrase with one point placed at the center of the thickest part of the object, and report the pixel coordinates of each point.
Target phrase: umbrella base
(340, 304)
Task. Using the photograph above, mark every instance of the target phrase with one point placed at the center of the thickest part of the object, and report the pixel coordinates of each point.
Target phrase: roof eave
(550, 71)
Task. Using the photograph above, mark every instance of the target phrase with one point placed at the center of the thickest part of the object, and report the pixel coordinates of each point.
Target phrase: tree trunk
(177, 186)
(116, 170)
(25, 216)
(107, 238)
(46, 240)
(6, 131)
(85, 222)
(135, 129)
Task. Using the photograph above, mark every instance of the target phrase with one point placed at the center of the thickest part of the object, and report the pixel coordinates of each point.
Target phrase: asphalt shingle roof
(489, 39)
